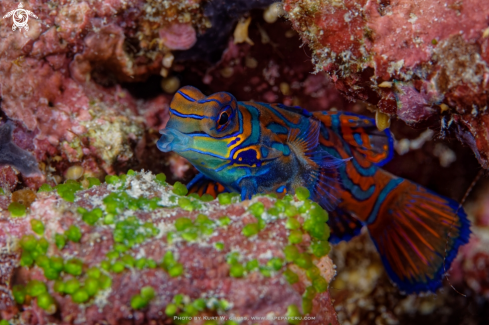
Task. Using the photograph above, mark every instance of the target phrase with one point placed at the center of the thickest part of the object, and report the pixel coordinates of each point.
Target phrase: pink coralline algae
(424, 62)
(178, 36)
(126, 251)
(60, 80)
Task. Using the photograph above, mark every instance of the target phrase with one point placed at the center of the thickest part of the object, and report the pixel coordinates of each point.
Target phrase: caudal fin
(418, 234)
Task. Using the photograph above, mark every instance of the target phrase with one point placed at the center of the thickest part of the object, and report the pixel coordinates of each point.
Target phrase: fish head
(201, 128)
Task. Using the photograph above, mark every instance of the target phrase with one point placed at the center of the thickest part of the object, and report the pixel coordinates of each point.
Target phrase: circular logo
(20, 17)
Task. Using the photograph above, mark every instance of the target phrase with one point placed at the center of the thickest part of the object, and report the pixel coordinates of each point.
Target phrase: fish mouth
(173, 140)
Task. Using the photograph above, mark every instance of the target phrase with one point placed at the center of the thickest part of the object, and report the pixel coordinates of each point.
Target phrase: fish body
(251, 148)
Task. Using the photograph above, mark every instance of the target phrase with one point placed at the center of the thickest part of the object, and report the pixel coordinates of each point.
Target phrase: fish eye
(224, 118)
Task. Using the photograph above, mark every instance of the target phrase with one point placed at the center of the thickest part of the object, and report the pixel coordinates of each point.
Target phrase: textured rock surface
(424, 62)
(60, 80)
(206, 268)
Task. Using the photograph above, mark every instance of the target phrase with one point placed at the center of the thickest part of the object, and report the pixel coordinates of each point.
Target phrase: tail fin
(418, 234)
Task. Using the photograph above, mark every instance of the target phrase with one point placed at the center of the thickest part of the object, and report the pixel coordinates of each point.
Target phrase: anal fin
(343, 226)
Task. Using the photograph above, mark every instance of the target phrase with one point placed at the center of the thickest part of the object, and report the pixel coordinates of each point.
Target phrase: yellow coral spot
(168, 60)
(42, 166)
(385, 84)
(296, 101)
(25, 197)
(85, 183)
(18, 61)
(74, 172)
(164, 72)
(444, 107)
(251, 62)
(58, 179)
(383, 121)
(241, 32)
(290, 33)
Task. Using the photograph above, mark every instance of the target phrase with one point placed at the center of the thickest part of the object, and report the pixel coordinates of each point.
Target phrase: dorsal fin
(361, 134)
(293, 109)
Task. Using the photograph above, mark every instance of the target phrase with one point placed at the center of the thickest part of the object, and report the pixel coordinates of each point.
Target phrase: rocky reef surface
(424, 62)
(137, 250)
(60, 81)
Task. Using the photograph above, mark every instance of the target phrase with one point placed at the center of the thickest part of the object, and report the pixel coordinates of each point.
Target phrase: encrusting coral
(137, 248)
(426, 63)
(60, 80)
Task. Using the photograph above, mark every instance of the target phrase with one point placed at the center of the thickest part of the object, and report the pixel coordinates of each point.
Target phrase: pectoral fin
(321, 176)
(305, 141)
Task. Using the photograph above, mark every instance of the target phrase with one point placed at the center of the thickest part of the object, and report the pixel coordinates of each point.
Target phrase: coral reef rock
(424, 62)
(222, 16)
(136, 250)
(60, 79)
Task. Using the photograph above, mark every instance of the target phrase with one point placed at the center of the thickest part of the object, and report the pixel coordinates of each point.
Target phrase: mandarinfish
(251, 148)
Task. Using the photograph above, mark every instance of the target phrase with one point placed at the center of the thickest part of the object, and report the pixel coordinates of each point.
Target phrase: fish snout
(173, 140)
